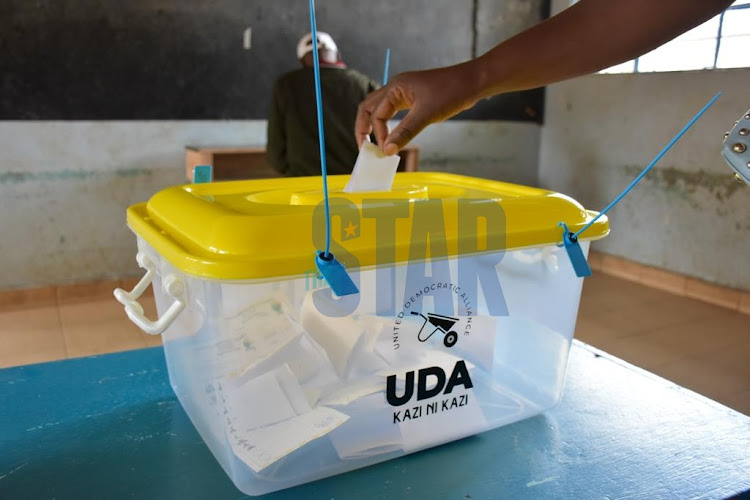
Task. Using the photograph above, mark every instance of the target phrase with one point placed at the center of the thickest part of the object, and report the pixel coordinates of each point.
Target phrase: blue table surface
(110, 427)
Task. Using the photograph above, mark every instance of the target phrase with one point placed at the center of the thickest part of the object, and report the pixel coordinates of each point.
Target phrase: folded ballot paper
(268, 411)
(270, 417)
(295, 380)
(373, 170)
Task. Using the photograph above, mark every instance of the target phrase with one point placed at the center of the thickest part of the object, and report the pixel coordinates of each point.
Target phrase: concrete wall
(505, 151)
(688, 215)
(65, 185)
(497, 21)
(168, 60)
(186, 60)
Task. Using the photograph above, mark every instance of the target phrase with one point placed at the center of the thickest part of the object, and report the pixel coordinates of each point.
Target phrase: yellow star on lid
(351, 229)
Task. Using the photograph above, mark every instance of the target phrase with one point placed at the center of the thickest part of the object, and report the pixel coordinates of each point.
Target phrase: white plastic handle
(146, 263)
(173, 286)
(546, 254)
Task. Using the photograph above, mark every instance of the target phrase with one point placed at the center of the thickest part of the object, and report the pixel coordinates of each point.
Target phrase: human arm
(589, 36)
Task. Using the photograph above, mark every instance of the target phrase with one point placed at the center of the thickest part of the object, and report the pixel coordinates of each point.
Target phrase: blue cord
(321, 132)
(650, 165)
(387, 65)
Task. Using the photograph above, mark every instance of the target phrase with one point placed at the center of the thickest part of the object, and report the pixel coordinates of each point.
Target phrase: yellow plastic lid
(260, 229)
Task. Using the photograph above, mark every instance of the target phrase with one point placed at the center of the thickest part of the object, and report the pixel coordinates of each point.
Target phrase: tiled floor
(697, 345)
(69, 322)
(700, 346)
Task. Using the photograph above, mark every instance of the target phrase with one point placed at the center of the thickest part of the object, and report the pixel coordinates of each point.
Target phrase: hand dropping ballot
(283, 391)
(373, 170)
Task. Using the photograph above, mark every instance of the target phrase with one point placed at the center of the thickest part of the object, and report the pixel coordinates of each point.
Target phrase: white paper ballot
(255, 334)
(261, 447)
(479, 345)
(272, 397)
(307, 361)
(449, 417)
(337, 336)
(441, 359)
(364, 360)
(370, 432)
(373, 170)
(352, 391)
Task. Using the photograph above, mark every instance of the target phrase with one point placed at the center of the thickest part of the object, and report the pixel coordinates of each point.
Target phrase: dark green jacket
(293, 148)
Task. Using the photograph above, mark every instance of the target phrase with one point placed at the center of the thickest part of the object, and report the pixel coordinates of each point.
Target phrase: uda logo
(434, 323)
(425, 378)
(444, 294)
(445, 388)
(443, 383)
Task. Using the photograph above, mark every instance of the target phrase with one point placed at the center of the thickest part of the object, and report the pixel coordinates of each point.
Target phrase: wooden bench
(250, 163)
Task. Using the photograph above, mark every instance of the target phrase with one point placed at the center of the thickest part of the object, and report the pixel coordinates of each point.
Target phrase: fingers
(412, 124)
(362, 124)
(391, 102)
(379, 129)
(362, 127)
(375, 111)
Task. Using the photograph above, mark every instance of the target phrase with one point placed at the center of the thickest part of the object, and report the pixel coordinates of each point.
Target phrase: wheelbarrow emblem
(438, 323)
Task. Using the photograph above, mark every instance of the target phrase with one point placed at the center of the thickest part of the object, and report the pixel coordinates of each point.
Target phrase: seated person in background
(293, 148)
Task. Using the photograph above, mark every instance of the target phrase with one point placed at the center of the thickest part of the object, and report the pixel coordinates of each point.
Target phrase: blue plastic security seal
(335, 275)
(386, 68)
(575, 252)
(570, 240)
(203, 174)
(332, 271)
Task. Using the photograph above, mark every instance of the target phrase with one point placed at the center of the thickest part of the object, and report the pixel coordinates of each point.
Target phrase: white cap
(325, 42)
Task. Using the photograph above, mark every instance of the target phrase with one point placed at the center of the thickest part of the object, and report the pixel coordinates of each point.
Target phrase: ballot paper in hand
(373, 170)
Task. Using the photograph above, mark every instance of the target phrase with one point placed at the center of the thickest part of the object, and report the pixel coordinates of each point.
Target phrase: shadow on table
(153, 451)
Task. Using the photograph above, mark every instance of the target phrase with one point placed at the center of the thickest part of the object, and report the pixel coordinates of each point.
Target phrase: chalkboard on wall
(186, 59)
